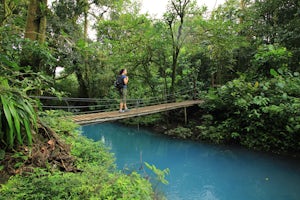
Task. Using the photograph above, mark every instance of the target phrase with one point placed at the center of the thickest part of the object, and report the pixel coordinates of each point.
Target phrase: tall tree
(130, 41)
(77, 53)
(87, 7)
(35, 31)
(175, 17)
(277, 21)
(224, 40)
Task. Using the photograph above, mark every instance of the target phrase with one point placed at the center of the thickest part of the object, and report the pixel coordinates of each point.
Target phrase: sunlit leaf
(273, 72)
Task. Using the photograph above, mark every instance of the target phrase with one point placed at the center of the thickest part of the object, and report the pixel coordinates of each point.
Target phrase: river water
(199, 170)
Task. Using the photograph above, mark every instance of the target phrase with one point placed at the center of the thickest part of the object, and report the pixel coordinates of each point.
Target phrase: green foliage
(92, 72)
(17, 112)
(59, 120)
(180, 132)
(222, 42)
(68, 85)
(276, 21)
(12, 12)
(17, 116)
(86, 151)
(269, 57)
(56, 185)
(26, 53)
(160, 174)
(209, 131)
(89, 152)
(19, 160)
(37, 56)
(261, 115)
(98, 178)
(126, 187)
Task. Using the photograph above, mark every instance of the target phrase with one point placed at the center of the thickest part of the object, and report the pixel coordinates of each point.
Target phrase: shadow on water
(202, 171)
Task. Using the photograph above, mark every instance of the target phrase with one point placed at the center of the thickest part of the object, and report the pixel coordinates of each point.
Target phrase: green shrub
(97, 177)
(180, 132)
(68, 85)
(127, 187)
(60, 121)
(261, 115)
(268, 57)
(93, 183)
(17, 116)
(98, 180)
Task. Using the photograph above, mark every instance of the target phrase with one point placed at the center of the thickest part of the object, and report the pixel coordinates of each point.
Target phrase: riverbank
(93, 174)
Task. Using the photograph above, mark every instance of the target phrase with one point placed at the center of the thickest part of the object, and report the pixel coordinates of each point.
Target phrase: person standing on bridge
(123, 91)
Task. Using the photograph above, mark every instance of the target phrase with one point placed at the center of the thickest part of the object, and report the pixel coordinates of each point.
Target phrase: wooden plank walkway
(134, 112)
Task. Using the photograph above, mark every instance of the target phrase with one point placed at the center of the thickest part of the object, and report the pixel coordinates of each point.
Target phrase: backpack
(119, 83)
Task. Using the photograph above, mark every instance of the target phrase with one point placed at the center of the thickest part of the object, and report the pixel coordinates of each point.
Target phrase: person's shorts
(123, 94)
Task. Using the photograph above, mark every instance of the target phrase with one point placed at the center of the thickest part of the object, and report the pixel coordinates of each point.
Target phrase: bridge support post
(185, 116)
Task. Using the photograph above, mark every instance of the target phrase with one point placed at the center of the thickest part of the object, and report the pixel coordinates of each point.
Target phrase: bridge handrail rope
(73, 99)
(131, 102)
(104, 105)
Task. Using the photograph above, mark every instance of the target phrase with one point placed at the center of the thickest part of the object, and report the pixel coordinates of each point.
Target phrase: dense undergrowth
(96, 176)
(261, 115)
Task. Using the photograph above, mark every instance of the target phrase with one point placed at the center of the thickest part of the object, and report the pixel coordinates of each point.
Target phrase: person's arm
(126, 80)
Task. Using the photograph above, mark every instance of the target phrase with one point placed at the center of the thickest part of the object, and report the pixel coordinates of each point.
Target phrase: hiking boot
(121, 111)
(126, 110)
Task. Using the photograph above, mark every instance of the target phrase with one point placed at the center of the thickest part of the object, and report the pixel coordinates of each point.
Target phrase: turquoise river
(199, 170)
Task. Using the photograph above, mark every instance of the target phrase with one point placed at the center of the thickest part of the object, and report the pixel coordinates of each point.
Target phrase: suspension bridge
(135, 112)
(95, 110)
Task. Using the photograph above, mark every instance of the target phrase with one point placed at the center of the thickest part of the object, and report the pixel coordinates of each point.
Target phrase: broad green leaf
(16, 120)
(27, 125)
(1, 132)
(9, 120)
(27, 107)
(28, 131)
(4, 82)
(273, 72)
(7, 62)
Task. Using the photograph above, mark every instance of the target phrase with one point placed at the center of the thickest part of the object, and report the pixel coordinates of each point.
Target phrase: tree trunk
(86, 24)
(83, 89)
(35, 30)
(174, 68)
(36, 21)
(180, 9)
(242, 7)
